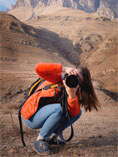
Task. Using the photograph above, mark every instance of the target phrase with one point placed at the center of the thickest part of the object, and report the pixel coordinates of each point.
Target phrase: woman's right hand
(71, 91)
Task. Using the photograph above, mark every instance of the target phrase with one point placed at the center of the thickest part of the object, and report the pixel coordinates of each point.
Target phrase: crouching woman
(47, 117)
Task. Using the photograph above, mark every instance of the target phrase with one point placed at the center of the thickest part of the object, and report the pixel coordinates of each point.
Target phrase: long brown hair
(89, 98)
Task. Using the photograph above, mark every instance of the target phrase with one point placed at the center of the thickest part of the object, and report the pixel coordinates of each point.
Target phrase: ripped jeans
(47, 118)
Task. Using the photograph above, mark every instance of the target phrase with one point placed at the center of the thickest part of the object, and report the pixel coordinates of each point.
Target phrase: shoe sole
(43, 154)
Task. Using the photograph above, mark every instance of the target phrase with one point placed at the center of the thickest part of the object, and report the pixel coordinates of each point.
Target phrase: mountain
(31, 8)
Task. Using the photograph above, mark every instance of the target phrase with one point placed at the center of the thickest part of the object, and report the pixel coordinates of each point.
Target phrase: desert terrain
(73, 38)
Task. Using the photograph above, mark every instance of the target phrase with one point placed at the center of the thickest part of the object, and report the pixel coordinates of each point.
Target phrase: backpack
(61, 97)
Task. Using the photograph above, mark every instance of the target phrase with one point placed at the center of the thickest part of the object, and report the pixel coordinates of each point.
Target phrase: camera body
(71, 80)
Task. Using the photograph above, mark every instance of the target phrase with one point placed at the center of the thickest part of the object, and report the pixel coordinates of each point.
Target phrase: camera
(71, 80)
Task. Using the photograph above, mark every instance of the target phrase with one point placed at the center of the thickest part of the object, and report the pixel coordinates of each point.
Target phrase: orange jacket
(52, 73)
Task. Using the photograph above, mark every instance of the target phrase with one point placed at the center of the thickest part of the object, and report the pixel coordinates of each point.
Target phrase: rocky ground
(96, 134)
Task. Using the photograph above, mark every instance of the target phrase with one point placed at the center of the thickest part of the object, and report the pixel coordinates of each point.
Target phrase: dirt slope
(22, 47)
(93, 38)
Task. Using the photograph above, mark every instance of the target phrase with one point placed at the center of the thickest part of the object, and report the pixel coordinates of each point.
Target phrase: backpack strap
(32, 89)
(55, 85)
(21, 128)
(34, 86)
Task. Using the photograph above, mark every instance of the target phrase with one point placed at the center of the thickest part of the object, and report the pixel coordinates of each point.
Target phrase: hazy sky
(5, 4)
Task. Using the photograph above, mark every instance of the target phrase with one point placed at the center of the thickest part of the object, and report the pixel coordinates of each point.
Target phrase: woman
(47, 117)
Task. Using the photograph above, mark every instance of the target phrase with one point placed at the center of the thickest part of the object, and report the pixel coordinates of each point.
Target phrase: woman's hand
(70, 91)
(70, 71)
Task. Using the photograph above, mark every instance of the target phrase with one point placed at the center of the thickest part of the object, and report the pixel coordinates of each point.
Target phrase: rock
(86, 46)
(19, 91)
(91, 137)
(89, 5)
(102, 7)
(104, 72)
(100, 136)
(108, 8)
(93, 38)
(103, 18)
(107, 12)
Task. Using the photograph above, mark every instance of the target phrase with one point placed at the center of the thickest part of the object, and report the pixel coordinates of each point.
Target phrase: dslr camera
(71, 80)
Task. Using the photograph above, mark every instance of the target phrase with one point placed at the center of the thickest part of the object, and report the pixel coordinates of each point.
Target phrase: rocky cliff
(106, 8)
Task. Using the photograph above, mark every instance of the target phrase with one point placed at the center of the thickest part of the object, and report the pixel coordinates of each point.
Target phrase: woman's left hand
(70, 91)
(70, 71)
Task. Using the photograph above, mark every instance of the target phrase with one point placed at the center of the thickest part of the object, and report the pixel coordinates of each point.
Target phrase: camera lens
(72, 81)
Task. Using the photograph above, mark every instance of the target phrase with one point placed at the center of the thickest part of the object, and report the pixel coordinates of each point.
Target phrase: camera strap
(65, 116)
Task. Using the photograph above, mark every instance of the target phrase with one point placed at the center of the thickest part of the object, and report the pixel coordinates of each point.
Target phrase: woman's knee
(58, 108)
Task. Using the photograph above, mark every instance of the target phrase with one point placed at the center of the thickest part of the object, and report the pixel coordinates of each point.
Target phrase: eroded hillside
(94, 39)
(70, 37)
(22, 47)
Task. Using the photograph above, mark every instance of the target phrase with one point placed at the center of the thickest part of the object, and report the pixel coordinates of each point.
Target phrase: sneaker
(55, 141)
(41, 147)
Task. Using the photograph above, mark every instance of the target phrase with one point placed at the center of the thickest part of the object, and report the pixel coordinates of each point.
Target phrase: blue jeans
(47, 118)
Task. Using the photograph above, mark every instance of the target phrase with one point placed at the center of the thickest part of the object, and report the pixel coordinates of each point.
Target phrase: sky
(5, 4)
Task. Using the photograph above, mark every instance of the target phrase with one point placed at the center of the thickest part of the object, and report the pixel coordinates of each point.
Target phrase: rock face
(89, 5)
(106, 8)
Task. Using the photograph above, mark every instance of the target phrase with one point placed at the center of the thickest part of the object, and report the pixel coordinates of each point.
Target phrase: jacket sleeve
(74, 106)
(49, 71)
